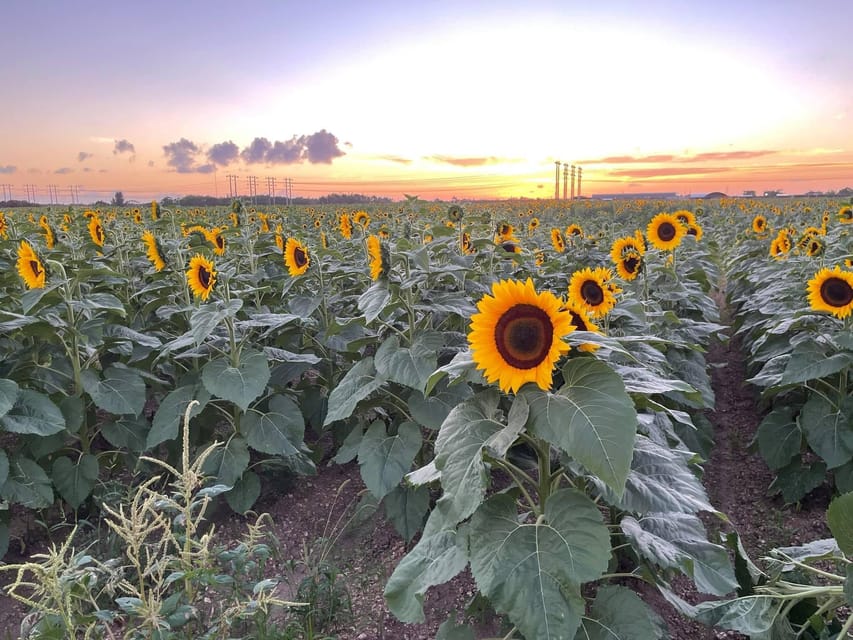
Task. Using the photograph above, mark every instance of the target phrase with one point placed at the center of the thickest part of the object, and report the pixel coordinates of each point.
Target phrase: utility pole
(557, 180)
(565, 179)
(289, 184)
(271, 189)
(580, 171)
(232, 185)
(573, 182)
(31, 193)
(252, 182)
(7, 192)
(53, 194)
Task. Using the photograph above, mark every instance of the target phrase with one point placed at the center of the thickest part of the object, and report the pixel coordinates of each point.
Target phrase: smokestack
(557, 181)
(580, 171)
(573, 182)
(565, 178)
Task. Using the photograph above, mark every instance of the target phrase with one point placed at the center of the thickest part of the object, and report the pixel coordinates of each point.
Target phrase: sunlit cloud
(465, 162)
(181, 156)
(64, 170)
(223, 153)
(123, 146)
(666, 171)
(83, 156)
(318, 148)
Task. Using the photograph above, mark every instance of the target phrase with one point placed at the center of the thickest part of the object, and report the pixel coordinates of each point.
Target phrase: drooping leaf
(411, 366)
(779, 437)
(27, 484)
(617, 613)
(127, 432)
(207, 317)
(796, 480)
(75, 481)
(358, 383)
(384, 459)
(533, 571)
(244, 493)
(8, 395)
(809, 361)
(241, 384)
(4, 468)
(591, 418)
(679, 540)
(431, 411)
(373, 301)
(226, 464)
(33, 413)
(120, 391)
(170, 414)
(280, 431)
(829, 429)
(751, 615)
(839, 517)
(406, 508)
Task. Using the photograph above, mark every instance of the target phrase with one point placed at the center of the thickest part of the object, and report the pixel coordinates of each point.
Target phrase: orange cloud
(465, 162)
(666, 171)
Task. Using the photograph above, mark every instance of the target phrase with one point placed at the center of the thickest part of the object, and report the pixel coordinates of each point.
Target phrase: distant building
(668, 195)
(749, 194)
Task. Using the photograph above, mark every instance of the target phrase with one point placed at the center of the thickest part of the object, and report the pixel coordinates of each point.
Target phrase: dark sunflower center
(204, 277)
(631, 264)
(300, 257)
(508, 246)
(99, 233)
(578, 322)
(523, 336)
(36, 267)
(220, 242)
(691, 231)
(666, 231)
(836, 292)
(759, 223)
(592, 293)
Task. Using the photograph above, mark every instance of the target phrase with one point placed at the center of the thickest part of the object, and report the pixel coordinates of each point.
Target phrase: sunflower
(96, 231)
(504, 232)
(532, 225)
(137, 217)
(30, 266)
(629, 264)
(759, 224)
(384, 233)
(516, 336)
(685, 217)
(49, 235)
(573, 230)
(557, 240)
(235, 219)
(510, 245)
(378, 255)
(832, 291)
(155, 210)
(361, 218)
(780, 246)
(454, 212)
(296, 257)
(152, 250)
(345, 225)
(845, 214)
(200, 276)
(265, 222)
(627, 244)
(540, 257)
(814, 248)
(324, 241)
(4, 226)
(467, 246)
(582, 322)
(641, 240)
(590, 290)
(848, 262)
(665, 232)
(695, 230)
(214, 237)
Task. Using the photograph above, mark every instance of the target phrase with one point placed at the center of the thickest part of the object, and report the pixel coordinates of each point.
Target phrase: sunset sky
(465, 99)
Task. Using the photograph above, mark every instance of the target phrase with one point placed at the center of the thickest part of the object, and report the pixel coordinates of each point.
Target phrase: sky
(472, 100)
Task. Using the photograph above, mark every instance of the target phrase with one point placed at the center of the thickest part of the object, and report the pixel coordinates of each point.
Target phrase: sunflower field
(522, 385)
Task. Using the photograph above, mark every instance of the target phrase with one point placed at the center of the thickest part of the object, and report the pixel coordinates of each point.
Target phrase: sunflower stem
(543, 452)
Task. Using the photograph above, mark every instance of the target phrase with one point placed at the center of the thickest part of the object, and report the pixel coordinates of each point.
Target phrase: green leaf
(245, 492)
(226, 464)
(373, 301)
(828, 429)
(848, 585)
(280, 431)
(809, 361)
(170, 414)
(207, 317)
(350, 446)
(27, 484)
(661, 481)
(617, 613)
(437, 557)
(74, 411)
(462, 364)
(459, 452)
(384, 459)
(451, 630)
(591, 418)
(75, 482)
(4, 469)
(8, 394)
(241, 384)
(839, 517)
(779, 437)
(679, 540)
(358, 383)
(33, 413)
(122, 390)
(406, 507)
(844, 477)
(410, 367)
(433, 410)
(797, 480)
(533, 571)
(751, 615)
(127, 433)
(103, 301)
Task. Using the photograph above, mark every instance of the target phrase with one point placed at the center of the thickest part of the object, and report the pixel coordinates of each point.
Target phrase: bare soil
(310, 510)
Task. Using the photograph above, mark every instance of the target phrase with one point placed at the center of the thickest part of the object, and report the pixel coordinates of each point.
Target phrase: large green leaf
(280, 431)
(207, 317)
(438, 556)
(591, 418)
(796, 480)
(241, 384)
(245, 492)
(75, 481)
(384, 459)
(27, 484)
(809, 361)
(33, 413)
(358, 383)
(459, 452)
(451, 630)
(839, 517)
(411, 366)
(617, 613)
(533, 571)
(660, 480)
(779, 437)
(751, 615)
(406, 507)
(829, 429)
(226, 464)
(844, 477)
(372, 302)
(121, 391)
(127, 433)
(4, 468)
(433, 410)
(8, 394)
(170, 414)
(679, 540)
